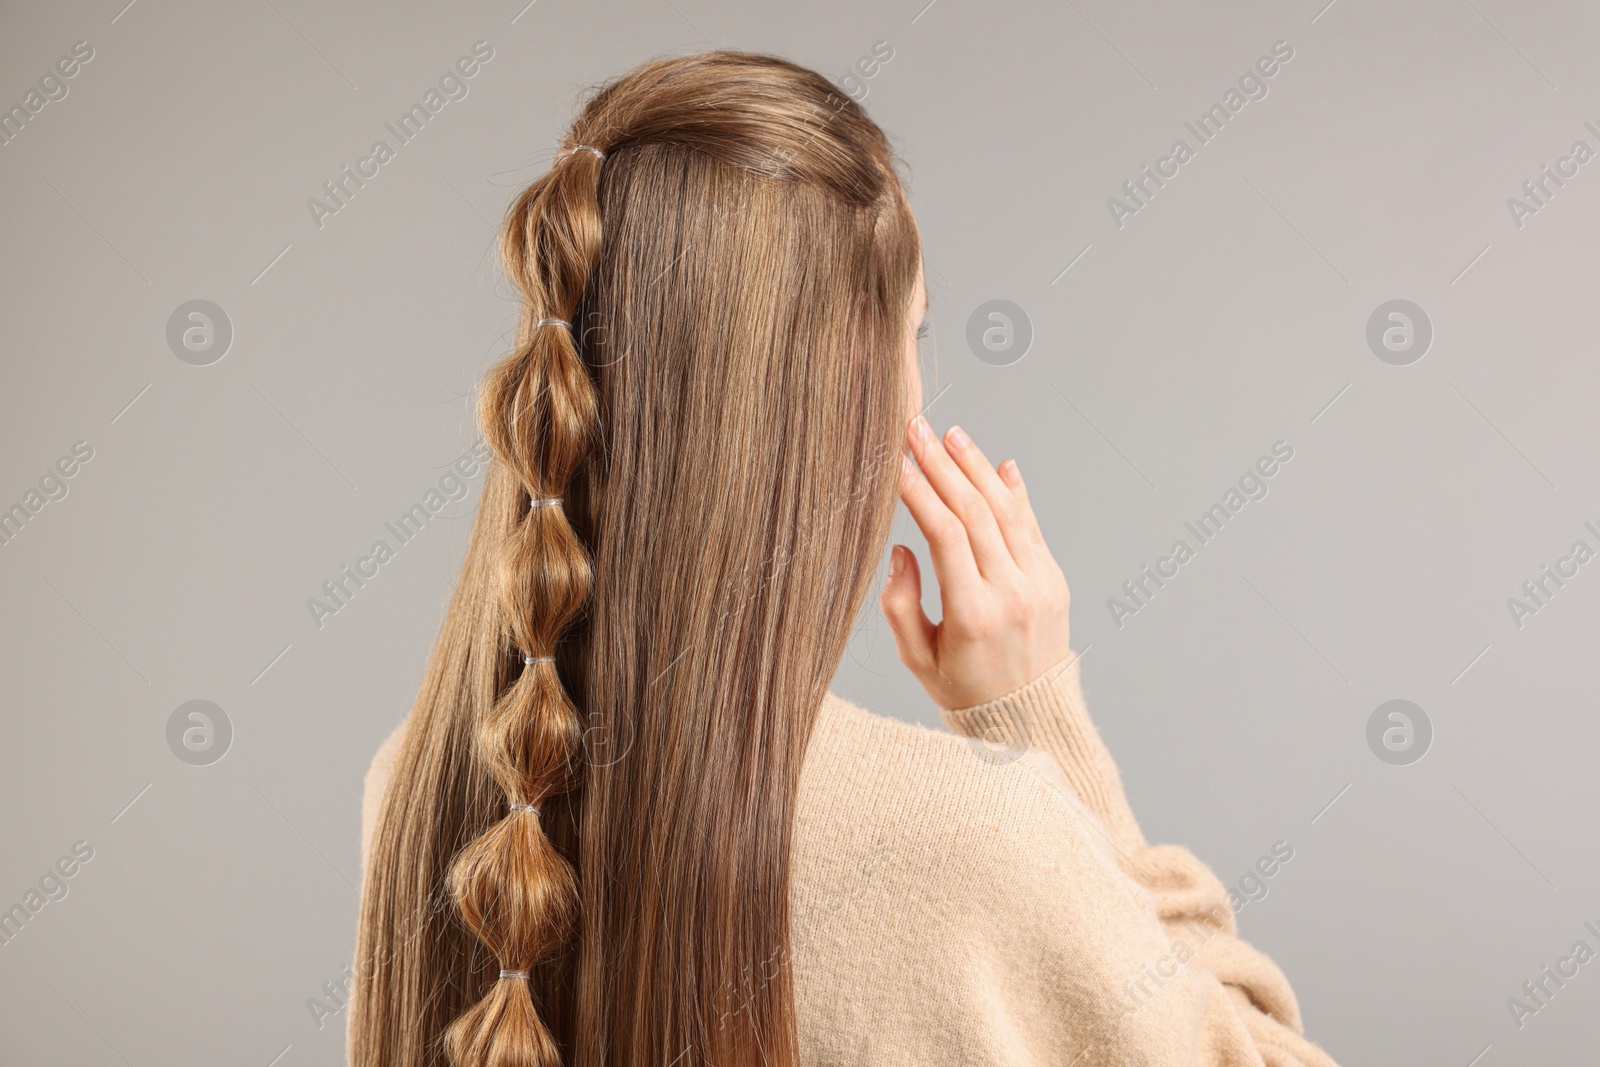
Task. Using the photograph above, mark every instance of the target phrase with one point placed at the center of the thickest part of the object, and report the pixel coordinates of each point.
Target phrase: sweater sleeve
(1255, 1003)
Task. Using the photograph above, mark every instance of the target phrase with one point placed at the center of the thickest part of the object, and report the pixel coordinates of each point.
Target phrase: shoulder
(375, 783)
(935, 793)
(946, 893)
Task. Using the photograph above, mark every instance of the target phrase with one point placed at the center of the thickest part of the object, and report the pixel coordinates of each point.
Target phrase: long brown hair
(693, 477)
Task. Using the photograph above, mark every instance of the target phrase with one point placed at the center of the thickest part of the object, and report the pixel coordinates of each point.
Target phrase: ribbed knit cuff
(1049, 713)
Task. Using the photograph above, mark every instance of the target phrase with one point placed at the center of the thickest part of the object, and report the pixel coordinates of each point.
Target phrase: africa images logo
(453, 85)
(1252, 85)
(1139, 591)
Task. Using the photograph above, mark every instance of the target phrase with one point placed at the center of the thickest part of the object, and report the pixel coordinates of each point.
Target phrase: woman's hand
(1004, 600)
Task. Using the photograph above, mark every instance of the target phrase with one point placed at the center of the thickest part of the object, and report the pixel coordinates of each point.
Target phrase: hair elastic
(528, 660)
(513, 974)
(534, 808)
(544, 501)
(555, 322)
(587, 148)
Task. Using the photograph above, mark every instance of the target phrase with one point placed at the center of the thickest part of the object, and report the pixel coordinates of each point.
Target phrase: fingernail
(924, 431)
(896, 563)
(1009, 471)
(957, 437)
(907, 468)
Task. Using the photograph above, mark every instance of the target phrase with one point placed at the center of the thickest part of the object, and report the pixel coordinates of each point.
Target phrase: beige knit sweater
(956, 902)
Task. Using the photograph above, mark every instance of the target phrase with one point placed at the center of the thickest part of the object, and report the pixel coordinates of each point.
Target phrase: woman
(625, 822)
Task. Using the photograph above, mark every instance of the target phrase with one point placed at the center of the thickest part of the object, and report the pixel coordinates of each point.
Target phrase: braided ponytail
(540, 414)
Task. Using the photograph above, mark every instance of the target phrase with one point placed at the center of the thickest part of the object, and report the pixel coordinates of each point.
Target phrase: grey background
(1228, 314)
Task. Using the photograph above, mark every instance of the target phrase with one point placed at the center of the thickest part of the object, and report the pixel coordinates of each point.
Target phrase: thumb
(901, 604)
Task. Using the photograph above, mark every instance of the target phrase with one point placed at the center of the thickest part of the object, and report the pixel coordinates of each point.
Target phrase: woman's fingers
(1012, 476)
(901, 603)
(1010, 511)
(1004, 622)
(964, 501)
(953, 563)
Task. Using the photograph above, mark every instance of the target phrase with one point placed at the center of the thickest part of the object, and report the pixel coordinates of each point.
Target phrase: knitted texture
(984, 896)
